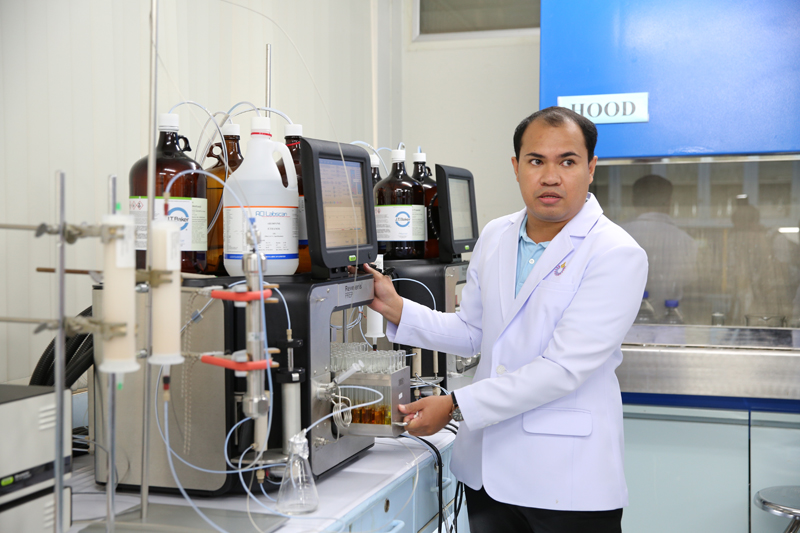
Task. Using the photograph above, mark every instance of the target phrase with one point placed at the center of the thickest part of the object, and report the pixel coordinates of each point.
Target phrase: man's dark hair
(556, 116)
(652, 191)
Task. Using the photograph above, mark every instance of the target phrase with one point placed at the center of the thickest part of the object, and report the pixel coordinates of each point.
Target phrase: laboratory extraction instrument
(314, 377)
(444, 276)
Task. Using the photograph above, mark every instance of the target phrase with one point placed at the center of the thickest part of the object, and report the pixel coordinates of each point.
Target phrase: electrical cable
(438, 455)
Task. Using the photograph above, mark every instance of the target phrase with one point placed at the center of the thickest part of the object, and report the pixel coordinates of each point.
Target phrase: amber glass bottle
(188, 203)
(375, 163)
(400, 212)
(215, 263)
(292, 135)
(422, 174)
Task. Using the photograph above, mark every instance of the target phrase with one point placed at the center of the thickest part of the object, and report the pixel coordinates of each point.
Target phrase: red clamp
(238, 367)
(241, 296)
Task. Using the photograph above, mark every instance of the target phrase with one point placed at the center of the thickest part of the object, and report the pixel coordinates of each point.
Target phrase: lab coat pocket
(568, 422)
(561, 286)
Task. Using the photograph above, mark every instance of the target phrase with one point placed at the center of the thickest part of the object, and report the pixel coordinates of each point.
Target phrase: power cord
(438, 455)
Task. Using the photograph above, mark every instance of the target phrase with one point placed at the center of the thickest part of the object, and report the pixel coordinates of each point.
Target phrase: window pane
(721, 238)
(447, 16)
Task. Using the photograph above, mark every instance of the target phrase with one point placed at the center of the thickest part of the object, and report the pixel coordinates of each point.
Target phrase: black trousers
(487, 515)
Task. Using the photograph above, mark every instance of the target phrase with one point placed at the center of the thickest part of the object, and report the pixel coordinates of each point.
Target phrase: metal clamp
(153, 278)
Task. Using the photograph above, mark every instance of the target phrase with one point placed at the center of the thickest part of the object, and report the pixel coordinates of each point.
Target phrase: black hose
(441, 467)
(44, 373)
(79, 364)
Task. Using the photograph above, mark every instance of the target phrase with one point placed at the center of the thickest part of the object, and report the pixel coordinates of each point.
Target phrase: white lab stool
(781, 501)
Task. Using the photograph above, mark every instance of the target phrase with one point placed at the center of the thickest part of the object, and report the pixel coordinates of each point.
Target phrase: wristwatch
(455, 414)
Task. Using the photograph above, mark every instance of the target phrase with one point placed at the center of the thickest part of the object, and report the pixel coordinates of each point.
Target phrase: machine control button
(501, 370)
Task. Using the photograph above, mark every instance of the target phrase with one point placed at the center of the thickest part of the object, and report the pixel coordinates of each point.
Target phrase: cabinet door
(385, 509)
(687, 470)
(774, 460)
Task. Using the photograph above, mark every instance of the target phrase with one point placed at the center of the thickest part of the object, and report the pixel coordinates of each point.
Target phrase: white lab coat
(543, 418)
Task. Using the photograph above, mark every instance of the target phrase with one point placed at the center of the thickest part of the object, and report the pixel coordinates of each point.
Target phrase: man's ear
(515, 164)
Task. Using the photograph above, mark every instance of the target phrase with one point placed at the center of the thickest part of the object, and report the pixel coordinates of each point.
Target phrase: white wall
(462, 100)
(74, 86)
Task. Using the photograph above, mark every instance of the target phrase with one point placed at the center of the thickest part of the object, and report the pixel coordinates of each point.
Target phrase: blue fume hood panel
(723, 76)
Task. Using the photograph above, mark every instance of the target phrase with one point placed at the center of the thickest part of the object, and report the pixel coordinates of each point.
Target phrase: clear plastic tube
(175, 475)
(385, 168)
(426, 288)
(286, 306)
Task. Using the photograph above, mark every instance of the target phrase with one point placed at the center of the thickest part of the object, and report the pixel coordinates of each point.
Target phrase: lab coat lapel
(553, 256)
(507, 258)
(555, 253)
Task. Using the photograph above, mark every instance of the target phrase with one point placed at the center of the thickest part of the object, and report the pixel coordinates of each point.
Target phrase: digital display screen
(342, 203)
(460, 209)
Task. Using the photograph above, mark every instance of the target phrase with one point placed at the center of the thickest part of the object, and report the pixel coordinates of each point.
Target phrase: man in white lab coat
(550, 294)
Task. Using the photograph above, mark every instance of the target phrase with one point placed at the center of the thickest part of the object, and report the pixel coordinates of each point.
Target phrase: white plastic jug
(272, 206)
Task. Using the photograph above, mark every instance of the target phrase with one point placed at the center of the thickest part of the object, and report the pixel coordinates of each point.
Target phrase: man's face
(554, 173)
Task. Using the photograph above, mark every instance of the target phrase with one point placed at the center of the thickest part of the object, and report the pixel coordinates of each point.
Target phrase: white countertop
(342, 494)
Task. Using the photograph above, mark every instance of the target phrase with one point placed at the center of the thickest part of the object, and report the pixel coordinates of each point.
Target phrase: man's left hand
(427, 416)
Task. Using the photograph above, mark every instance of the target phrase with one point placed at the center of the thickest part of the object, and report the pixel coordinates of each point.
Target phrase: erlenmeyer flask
(298, 492)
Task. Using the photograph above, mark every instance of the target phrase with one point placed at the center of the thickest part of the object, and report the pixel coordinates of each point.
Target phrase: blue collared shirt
(528, 252)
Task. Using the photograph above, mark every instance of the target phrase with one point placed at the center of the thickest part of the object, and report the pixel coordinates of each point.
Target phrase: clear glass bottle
(231, 133)
(298, 492)
(646, 314)
(422, 174)
(400, 212)
(672, 315)
(188, 203)
(292, 135)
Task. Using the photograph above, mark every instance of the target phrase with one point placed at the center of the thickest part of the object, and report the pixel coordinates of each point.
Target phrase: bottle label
(276, 225)
(124, 247)
(302, 227)
(400, 222)
(192, 213)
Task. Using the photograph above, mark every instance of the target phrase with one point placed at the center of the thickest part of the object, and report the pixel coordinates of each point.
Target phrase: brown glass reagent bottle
(231, 132)
(400, 212)
(292, 135)
(422, 174)
(188, 196)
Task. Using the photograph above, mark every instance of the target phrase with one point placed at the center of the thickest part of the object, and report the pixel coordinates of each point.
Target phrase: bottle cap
(260, 124)
(398, 156)
(230, 129)
(374, 161)
(168, 122)
(671, 303)
(293, 130)
(418, 157)
(646, 295)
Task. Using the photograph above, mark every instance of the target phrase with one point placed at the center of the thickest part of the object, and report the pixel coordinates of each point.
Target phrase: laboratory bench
(711, 416)
(372, 494)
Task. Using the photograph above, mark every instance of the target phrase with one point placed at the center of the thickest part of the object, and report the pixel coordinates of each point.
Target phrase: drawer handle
(446, 482)
(396, 526)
